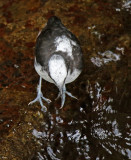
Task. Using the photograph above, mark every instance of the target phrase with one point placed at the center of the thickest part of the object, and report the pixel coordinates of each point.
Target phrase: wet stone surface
(94, 127)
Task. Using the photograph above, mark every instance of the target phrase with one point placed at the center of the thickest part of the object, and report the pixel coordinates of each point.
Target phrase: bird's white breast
(70, 76)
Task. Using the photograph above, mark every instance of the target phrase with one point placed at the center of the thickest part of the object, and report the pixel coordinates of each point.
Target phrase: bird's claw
(39, 99)
(63, 97)
(58, 96)
(46, 99)
(69, 94)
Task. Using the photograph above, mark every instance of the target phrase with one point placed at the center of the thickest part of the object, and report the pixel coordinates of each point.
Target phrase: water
(101, 132)
(94, 127)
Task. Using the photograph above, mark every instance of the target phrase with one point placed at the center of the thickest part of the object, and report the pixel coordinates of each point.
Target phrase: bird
(58, 59)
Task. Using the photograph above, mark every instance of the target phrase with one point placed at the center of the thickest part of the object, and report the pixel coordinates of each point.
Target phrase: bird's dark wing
(45, 45)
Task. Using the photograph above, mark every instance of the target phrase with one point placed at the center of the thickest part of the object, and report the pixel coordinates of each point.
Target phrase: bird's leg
(58, 96)
(40, 96)
(63, 93)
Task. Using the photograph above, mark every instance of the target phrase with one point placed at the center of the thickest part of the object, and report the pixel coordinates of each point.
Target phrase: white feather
(57, 69)
(65, 45)
(42, 72)
(72, 76)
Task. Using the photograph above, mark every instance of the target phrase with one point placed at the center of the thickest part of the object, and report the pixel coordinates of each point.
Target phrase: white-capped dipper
(58, 58)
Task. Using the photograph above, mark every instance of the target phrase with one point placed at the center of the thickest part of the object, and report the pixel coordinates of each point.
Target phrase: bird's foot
(68, 93)
(63, 97)
(39, 99)
(58, 96)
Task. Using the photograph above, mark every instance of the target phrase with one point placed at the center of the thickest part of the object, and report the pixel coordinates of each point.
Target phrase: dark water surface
(98, 125)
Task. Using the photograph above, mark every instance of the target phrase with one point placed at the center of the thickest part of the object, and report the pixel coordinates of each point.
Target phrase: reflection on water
(97, 135)
(106, 57)
(127, 5)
